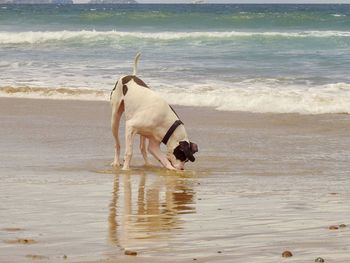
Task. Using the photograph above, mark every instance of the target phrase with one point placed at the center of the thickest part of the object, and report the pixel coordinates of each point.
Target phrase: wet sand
(261, 184)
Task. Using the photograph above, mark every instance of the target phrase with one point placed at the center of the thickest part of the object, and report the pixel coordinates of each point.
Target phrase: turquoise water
(260, 58)
(176, 17)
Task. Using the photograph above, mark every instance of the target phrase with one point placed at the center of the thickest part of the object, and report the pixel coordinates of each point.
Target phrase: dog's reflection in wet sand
(148, 207)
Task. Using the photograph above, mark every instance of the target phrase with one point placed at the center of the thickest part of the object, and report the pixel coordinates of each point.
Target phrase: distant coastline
(66, 2)
(112, 2)
(18, 2)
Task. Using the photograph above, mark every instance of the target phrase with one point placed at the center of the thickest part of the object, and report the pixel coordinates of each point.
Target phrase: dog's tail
(136, 61)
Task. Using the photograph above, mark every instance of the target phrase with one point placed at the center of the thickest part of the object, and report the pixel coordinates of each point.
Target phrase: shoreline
(104, 94)
(271, 182)
(89, 115)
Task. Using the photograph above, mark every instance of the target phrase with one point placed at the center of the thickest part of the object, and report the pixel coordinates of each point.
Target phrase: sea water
(258, 58)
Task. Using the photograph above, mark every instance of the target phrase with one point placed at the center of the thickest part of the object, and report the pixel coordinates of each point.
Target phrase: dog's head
(182, 153)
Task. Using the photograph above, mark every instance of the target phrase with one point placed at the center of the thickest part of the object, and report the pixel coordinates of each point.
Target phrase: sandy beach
(261, 184)
(264, 91)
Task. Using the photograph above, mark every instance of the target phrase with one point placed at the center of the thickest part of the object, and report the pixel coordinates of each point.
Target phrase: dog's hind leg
(115, 120)
(143, 149)
(129, 141)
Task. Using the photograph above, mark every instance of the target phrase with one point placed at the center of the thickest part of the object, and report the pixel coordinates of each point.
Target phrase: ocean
(263, 181)
(255, 58)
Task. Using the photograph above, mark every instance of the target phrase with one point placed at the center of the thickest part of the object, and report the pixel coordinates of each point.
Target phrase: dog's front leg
(154, 149)
(129, 141)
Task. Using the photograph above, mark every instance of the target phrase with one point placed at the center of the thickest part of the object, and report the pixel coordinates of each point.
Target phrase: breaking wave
(85, 36)
(53, 93)
(331, 98)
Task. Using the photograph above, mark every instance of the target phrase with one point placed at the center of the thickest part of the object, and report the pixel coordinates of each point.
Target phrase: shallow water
(261, 184)
(93, 216)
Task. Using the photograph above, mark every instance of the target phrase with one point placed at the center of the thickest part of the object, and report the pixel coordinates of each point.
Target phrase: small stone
(319, 260)
(342, 225)
(12, 229)
(64, 257)
(130, 253)
(219, 252)
(194, 259)
(21, 241)
(333, 228)
(36, 257)
(287, 254)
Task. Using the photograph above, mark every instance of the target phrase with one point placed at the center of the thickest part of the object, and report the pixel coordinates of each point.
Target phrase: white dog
(147, 114)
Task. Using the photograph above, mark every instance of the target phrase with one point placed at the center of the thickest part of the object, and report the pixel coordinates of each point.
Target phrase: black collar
(171, 130)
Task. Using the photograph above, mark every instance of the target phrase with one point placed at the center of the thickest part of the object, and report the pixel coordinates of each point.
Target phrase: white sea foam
(245, 96)
(54, 93)
(89, 36)
(332, 98)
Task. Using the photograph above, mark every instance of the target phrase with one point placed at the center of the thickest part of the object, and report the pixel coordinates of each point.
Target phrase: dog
(150, 116)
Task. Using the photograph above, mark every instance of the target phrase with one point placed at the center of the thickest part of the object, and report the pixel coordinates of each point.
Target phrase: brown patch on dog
(138, 81)
(194, 147)
(126, 79)
(179, 154)
(125, 89)
(183, 152)
(115, 86)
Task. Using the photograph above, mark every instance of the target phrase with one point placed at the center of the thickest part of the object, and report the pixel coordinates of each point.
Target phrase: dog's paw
(115, 164)
(170, 167)
(147, 164)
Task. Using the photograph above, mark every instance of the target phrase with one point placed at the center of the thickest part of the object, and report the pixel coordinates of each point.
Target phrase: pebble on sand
(287, 254)
(21, 241)
(319, 260)
(36, 257)
(333, 228)
(342, 225)
(130, 253)
(12, 229)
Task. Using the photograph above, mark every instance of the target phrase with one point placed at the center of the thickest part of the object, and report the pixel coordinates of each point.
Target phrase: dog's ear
(186, 148)
(179, 152)
(194, 147)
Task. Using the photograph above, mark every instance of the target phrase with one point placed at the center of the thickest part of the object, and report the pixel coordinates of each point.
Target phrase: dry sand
(262, 184)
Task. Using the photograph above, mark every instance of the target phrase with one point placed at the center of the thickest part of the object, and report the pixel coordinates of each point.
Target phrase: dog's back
(131, 94)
